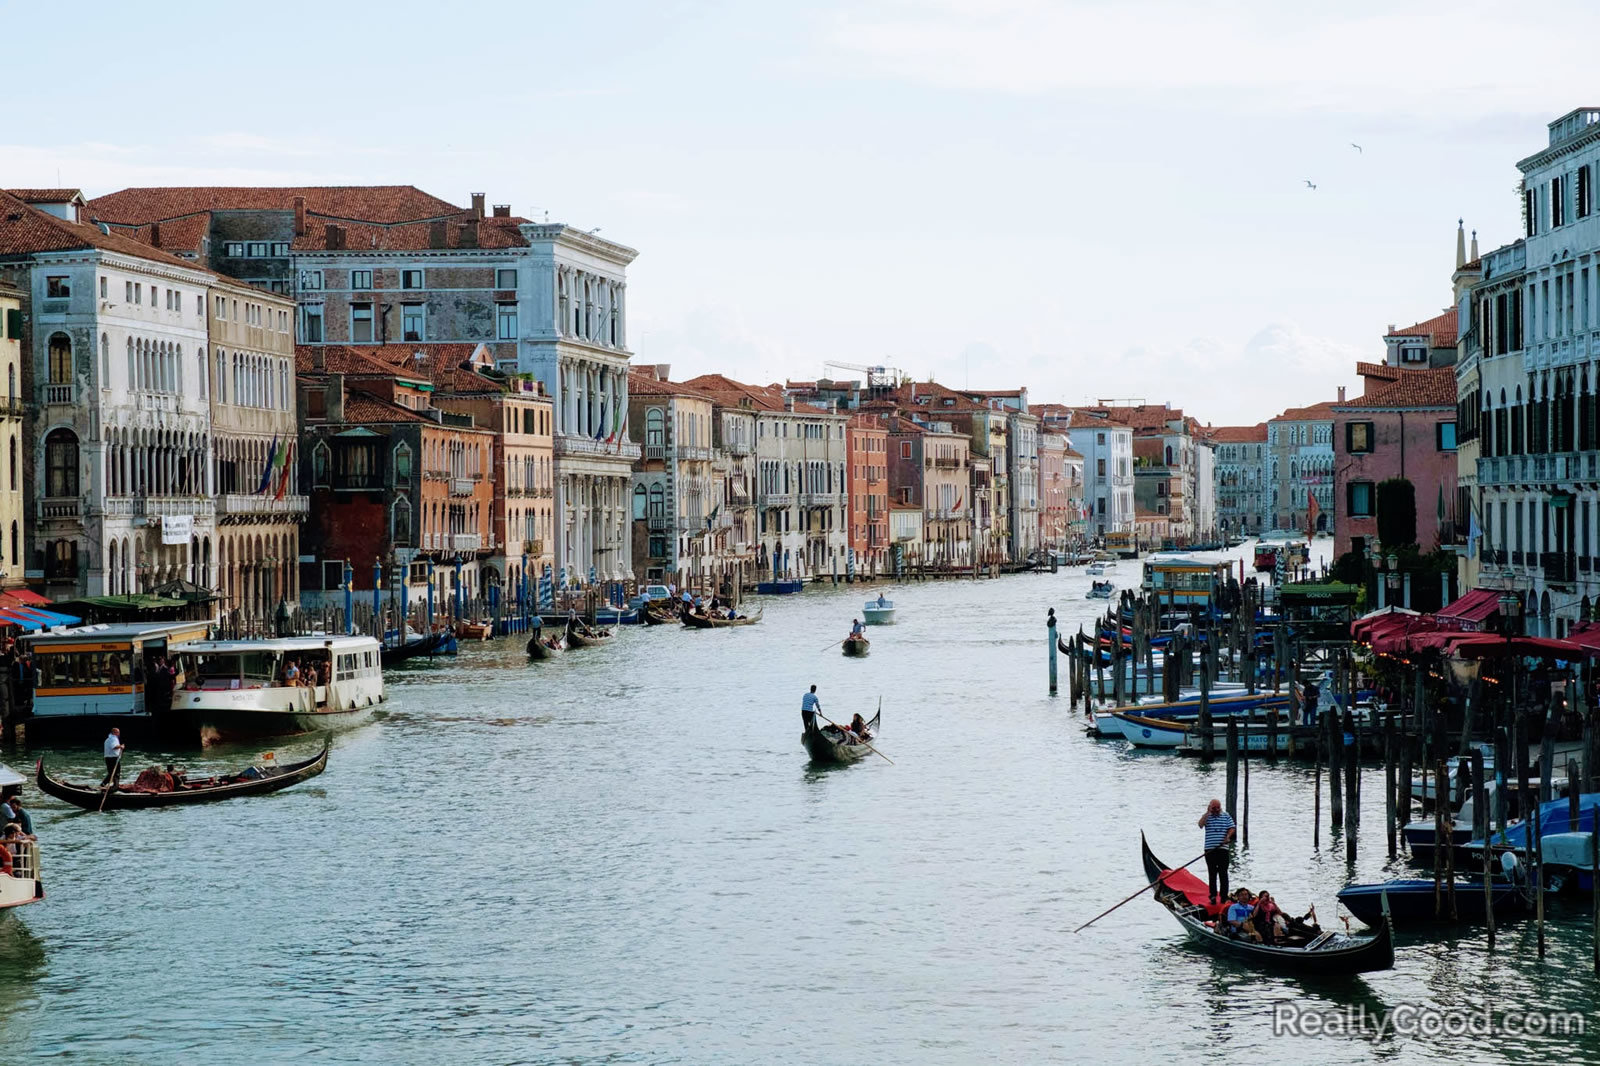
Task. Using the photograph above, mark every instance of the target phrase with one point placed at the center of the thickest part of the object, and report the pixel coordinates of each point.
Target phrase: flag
(600, 430)
(958, 502)
(1313, 509)
(287, 468)
(1473, 534)
(712, 517)
(1441, 503)
(266, 471)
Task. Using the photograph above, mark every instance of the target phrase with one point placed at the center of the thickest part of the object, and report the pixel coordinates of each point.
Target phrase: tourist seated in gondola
(1266, 918)
(858, 726)
(1236, 919)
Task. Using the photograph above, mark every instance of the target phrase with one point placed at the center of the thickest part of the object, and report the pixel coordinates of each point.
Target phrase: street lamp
(1510, 603)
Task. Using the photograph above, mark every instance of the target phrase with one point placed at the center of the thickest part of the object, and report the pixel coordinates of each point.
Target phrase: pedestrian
(809, 706)
(113, 752)
(1218, 825)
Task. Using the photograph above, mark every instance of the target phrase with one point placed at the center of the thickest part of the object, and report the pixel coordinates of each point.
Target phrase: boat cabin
(100, 670)
(1180, 582)
(320, 667)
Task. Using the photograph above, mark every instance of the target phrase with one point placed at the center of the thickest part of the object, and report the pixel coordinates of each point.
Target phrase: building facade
(1241, 478)
(14, 525)
(867, 479)
(675, 503)
(1300, 468)
(1107, 449)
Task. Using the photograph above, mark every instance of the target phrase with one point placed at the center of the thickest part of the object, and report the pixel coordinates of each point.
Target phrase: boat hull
(1411, 901)
(877, 616)
(93, 798)
(856, 647)
(821, 744)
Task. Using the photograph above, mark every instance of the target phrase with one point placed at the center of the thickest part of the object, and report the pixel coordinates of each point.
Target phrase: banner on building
(177, 529)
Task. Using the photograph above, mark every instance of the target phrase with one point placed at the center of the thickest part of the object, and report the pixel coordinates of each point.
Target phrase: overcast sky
(1089, 199)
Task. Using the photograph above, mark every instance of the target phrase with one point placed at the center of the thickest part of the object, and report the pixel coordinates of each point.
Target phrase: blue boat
(1411, 900)
(1554, 817)
(780, 588)
(612, 615)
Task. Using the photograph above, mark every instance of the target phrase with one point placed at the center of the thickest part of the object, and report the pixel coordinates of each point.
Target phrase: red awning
(23, 598)
(1475, 607)
(1484, 645)
(1586, 635)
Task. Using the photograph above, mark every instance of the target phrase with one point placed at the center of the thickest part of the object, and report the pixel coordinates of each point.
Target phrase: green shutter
(14, 323)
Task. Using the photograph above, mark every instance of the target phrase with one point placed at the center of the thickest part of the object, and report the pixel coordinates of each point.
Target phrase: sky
(1092, 200)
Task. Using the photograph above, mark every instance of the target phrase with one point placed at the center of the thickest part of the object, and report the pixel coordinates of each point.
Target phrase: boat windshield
(232, 669)
(81, 669)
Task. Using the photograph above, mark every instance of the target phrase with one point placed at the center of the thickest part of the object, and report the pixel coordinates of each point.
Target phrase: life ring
(5, 860)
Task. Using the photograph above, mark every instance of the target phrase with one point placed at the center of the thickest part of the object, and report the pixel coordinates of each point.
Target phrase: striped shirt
(1217, 826)
(809, 702)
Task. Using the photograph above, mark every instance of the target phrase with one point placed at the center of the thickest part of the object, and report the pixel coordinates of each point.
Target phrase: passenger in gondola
(1236, 919)
(858, 726)
(1266, 918)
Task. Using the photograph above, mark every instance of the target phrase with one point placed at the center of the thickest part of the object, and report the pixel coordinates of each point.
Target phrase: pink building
(1403, 425)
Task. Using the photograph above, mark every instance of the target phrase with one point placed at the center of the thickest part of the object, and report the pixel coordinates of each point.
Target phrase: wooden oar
(835, 644)
(1136, 895)
(111, 783)
(863, 743)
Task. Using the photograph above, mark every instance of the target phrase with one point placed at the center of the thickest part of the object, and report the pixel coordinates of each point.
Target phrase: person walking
(113, 752)
(1219, 828)
(809, 706)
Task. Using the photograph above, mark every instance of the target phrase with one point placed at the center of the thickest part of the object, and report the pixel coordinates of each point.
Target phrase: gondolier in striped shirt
(809, 706)
(1218, 825)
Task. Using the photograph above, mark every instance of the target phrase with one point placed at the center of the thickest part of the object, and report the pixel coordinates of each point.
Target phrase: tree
(1397, 513)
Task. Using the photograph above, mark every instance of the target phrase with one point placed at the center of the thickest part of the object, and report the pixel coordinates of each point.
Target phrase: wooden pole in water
(1547, 754)
(1272, 734)
(1352, 787)
(1388, 785)
(1207, 733)
(1536, 833)
(1335, 743)
(1316, 808)
(1439, 839)
(1244, 754)
(1233, 766)
(1480, 831)
(1403, 785)
(1050, 636)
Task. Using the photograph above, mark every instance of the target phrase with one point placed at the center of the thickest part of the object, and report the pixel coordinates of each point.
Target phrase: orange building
(867, 441)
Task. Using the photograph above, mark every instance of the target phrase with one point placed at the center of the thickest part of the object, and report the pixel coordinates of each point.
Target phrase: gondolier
(1219, 828)
(113, 751)
(809, 706)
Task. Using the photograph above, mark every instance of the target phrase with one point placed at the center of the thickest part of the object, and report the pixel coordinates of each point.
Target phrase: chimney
(468, 237)
(477, 204)
(1461, 243)
(502, 210)
(319, 361)
(155, 235)
(437, 234)
(299, 216)
(335, 397)
(663, 371)
(1341, 394)
(333, 237)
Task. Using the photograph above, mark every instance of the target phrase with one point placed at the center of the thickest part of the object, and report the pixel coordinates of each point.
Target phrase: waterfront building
(14, 524)
(1300, 468)
(1241, 478)
(676, 508)
(1021, 465)
(735, 544)
(1203, 485)
(116, 349)
(254, 428)
(985, 427)
(1107, 449)
(375, 265)
(868, 483)
(1402, 426)
(929, 469)
(1164, 462)
(801, 495)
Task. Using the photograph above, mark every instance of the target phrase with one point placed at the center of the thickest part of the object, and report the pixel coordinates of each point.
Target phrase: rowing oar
(1136, 895)
(835, 644)
(111, 783)
(863, 743)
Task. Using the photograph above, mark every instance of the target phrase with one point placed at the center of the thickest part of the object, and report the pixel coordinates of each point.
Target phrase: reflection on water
(624, 853)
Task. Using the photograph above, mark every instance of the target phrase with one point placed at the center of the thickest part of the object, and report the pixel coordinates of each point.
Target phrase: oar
(111, 783)
(863, 743)
(1136, 895)
(835, 644)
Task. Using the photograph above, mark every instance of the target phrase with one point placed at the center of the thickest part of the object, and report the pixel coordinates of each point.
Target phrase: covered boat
(252, 781)
(244, 688)
(878, 612)
(827, 744)
(856, 647)
(466, 630)
(1412, 900)
(1187, 899)
(1100, 590)
(19, 863)
(699, 620)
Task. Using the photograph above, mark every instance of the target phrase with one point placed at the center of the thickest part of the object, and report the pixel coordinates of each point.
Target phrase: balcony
(737, 447)
(778, 499)
(654, 451)
(60, 507)
(465, 542)
(658, 521)
(873, 478)
(238, 503)
(693, 454)
(821, 499)
(1559, 567)
(462, 486)
(141, 506)
(357, 482)
(575, 447)
(60, 395)
(947, 464)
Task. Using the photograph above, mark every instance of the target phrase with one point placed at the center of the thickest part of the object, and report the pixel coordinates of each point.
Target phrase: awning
(26, 624)
(1475, 607)
(1484, 645)
(1586, 635)
(23, 597)
(48, 618)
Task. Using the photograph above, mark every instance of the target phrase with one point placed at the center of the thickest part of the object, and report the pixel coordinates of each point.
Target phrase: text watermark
(1290, 1018)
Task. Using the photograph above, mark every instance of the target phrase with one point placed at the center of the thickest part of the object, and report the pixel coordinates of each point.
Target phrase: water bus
(243, 688)
(90, 678)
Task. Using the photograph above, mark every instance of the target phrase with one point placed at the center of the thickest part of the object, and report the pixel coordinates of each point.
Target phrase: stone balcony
(584, 447)
(1553, 469)
(238, 504)
(165, 506)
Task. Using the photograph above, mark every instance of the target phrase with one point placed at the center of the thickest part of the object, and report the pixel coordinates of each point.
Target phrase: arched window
(14, 540)
(61, 561)
(200, 371)
(61, 463)
(60, 359)
(320, 459)
(402, 462)
(105, 361)
(1169, 455)
(638, 501)
(132, 376)
(13, 449)
(11, 383)
(657, 505)
(402, 521)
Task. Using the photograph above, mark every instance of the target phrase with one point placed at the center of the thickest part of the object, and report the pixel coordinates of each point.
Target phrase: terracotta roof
(1440, 330)
(1072, 453)
(1315, 413)
(362, 361)
(730, 393)
(1255, 434)
(410, 236)
(1414, 388)
(356, 203)
(1142, 416)
(643, 383)
(47, 196)
(25, 229)
(175, 234)
(1382, 371)
(866, 420)
(932, 396)
(364, 407)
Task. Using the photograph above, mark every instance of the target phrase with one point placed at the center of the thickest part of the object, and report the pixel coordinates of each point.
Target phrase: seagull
(1357, 147)
(1309, 185)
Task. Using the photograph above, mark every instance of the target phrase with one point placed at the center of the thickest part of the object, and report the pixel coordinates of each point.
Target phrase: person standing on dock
(809, 706)
(113, 753)
(1219, 828)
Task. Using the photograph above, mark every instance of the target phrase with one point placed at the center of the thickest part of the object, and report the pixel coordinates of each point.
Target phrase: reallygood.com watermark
(1413, 1019)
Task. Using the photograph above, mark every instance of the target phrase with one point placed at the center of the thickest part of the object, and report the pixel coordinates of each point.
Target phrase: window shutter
(14, 323)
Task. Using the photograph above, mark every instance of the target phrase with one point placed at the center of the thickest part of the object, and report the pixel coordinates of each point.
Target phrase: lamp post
(1392, 576)
(1510, 604)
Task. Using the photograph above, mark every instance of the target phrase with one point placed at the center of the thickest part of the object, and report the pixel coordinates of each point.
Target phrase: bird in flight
(1309, 185)
(1357, 147)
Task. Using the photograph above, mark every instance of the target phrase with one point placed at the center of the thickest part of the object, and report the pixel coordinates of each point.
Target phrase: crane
(878, 377)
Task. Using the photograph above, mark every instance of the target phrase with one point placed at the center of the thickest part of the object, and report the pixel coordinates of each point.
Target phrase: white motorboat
(19, 865)
(878, 612)
(1100, 590)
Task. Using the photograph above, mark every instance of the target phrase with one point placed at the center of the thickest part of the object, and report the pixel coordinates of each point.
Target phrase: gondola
(1327, 954)
(826, 744)
(660, 613)
(538, 649)
(429, 644)
(1411, 900)
(856, 647)
(594, 638)
(254, 781)
(695, 620)
(466, 630)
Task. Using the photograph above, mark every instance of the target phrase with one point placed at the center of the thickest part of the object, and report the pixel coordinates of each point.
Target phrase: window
(138, 293)
(200, 305)
(505, 279)
(311, 324)
(411, 279)
(311, 279)
(1445, 436)
(61, 463)
(412, 317)
(320, 456)
(58, 287)
(1413, 353)
(402, 462)
(361, 323)
(1357, 438)
(280, 248)
(1359, 499)
(1100, 467)
(402, 521)
(257, 250)
(102, 288)
(60, 359)
(233, 249)
(1558, 200)
(905, 449)
(505, 322)
(361, 279)
(1585, 202)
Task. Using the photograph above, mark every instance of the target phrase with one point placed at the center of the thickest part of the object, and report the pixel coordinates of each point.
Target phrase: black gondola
(696, 620)
(856, 647)
(827, 745)
(252, 782)
(543, 648)
(429, 644)
(1328, 954)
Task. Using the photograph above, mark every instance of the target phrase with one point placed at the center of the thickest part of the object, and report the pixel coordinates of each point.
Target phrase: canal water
(623, 855)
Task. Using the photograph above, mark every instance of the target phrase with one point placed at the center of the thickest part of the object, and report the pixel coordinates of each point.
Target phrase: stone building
(867, 478)
(1241, 478)
(14, 524)
(675, 505)
(1300, 467)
